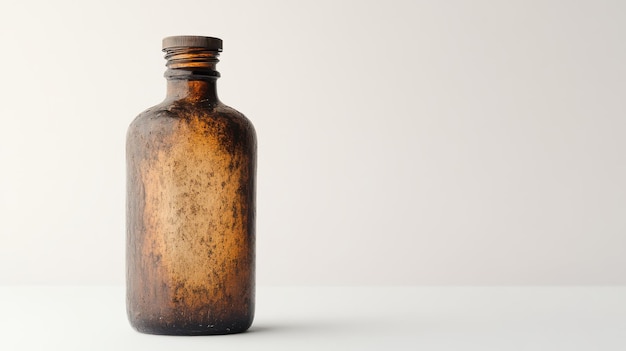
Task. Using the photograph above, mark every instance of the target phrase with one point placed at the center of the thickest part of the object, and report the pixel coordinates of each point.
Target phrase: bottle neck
(191, 74)
(193, 90)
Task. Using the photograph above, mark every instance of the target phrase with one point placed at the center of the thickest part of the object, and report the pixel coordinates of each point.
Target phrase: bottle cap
(192, 41)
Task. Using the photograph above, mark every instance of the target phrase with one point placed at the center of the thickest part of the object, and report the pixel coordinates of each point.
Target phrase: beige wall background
(400, 142)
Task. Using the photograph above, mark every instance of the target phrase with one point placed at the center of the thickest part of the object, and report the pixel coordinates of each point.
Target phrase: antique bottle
(190, 220)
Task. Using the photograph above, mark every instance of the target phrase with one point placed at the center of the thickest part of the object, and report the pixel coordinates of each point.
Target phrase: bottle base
(188, 330)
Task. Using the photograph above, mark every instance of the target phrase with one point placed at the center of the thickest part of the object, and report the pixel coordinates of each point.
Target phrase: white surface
(311, 318)
(400, 142)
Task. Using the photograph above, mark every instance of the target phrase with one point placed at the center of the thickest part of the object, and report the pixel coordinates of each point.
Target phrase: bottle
(190, 236)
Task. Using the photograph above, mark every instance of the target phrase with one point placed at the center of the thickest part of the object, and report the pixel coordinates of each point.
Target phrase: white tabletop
(336, 318)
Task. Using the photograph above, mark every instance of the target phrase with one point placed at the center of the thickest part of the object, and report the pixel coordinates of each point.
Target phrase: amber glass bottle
(190, 203)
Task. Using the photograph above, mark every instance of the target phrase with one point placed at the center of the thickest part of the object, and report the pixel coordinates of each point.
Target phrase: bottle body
(191, 165)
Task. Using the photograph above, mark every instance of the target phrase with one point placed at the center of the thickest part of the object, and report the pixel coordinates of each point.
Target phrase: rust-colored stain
(190, 219)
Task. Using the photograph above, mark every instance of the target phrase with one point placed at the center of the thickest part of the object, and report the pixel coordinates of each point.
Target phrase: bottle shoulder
(171, 113)
(181, 109)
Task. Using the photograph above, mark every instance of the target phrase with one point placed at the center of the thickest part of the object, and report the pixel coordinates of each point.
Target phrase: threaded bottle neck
(191, 63)
(191, 73)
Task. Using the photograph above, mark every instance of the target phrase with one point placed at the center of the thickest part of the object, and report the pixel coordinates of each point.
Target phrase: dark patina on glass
(190, 231)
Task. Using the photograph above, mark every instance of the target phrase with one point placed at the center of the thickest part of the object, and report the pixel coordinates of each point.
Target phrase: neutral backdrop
(400, 142)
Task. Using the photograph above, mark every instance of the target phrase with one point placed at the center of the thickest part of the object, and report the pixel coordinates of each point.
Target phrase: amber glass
(190, 233)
